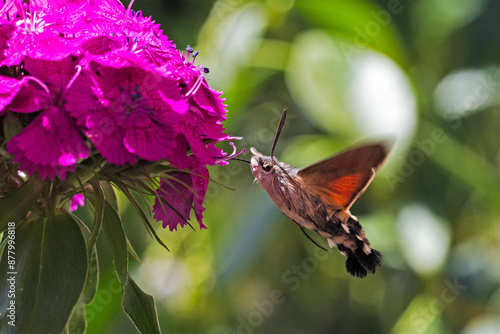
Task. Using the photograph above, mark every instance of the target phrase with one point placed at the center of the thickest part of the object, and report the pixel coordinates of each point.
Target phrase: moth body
(319, 197)
(311, 208)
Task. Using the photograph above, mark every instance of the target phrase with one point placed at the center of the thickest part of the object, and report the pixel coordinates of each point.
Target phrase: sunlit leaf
(92, 278)
(463, 163)
(132, 251)
(362, 24)
(140, 307)
(232, 38)
(417, 318)
(77, 323)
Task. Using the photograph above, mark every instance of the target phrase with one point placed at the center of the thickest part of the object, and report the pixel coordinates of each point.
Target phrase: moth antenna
(278, 131)
(311, 239)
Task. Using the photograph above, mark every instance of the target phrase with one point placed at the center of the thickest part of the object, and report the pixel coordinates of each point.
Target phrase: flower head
(100, 85)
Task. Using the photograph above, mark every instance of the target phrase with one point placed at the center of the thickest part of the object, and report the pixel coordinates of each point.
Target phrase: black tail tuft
(369, 261)
(358, 264)
(361, 259)
(354, 268)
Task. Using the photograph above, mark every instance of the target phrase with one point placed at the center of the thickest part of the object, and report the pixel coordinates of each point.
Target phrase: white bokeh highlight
(467, 91)
(424, 238)
(381, 97)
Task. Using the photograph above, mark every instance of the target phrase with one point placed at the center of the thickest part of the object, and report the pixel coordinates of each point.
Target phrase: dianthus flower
(94, 81)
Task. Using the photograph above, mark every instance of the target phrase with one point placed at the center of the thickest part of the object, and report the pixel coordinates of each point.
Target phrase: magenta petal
(9, 87)
(210, 100)
(67, 159)
(30, 98)
(189, 193)
(6, 30)
(45, 171)
(179, 157)
(200, 186)
(82, 100)
(48, 145)
(56, 74)
(107, 136)
(100, 45)
(77, 200)
(149, 140)
(176, 195)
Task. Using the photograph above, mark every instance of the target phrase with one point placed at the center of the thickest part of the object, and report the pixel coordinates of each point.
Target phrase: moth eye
(267, 166)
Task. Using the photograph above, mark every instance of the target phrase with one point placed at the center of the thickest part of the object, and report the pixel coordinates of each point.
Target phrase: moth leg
(308, 237)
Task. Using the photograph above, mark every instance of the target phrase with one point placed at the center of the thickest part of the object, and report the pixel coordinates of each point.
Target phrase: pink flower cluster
(93, 77)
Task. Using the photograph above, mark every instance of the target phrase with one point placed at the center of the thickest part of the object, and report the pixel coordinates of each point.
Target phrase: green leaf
(12, 125)
(77, 323)
(98, 216)
(112, 225)
(51, 266)
(92, 278)
(15, 206)
(143, 216)
(109, 195)
(113, 228)
(132, 251)
(3, 242)
(140, 307)
(92, 281)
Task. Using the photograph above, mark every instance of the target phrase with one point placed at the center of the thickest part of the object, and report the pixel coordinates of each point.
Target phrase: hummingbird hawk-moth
(318, 197)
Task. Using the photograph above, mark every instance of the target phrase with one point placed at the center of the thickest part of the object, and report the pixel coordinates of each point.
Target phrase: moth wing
(344, 177)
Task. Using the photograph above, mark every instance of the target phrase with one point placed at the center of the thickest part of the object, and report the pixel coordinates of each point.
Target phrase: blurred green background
(422, 73)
